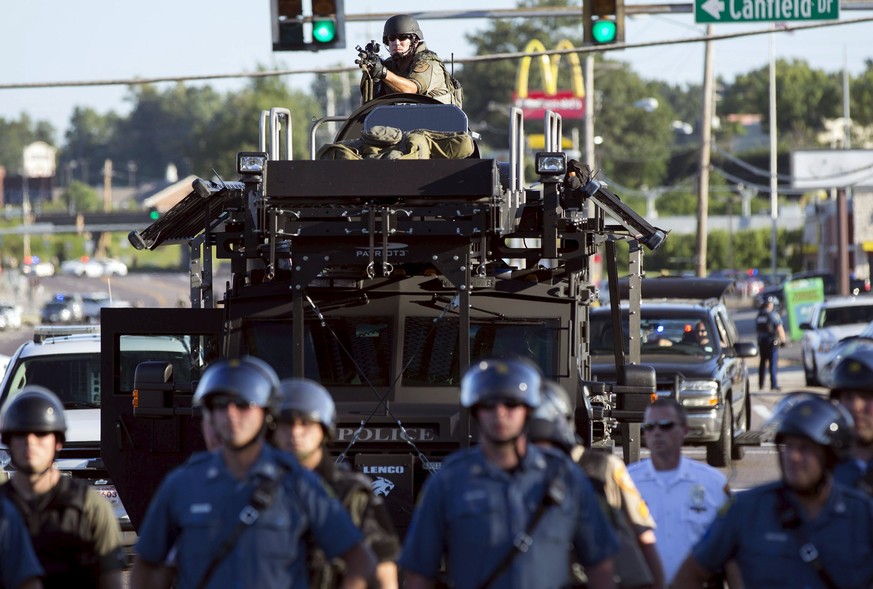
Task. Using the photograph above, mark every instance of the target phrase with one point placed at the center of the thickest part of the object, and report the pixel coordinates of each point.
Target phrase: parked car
(63, 308)
(33, 266)
(10, 316)
(94, 268)
(844, 347)
(93, 302)
(830, 321)
(709, 377)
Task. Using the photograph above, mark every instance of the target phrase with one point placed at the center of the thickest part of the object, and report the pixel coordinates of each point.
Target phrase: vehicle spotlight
(251, 162)
(551, 163)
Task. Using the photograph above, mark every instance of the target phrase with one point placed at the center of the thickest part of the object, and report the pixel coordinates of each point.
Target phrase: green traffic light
(603, 31)
(324, 31)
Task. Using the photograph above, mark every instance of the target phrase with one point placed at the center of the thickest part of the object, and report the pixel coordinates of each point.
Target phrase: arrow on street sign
(744, 11)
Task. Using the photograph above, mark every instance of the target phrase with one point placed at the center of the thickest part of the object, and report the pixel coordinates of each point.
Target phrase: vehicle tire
(719, 453)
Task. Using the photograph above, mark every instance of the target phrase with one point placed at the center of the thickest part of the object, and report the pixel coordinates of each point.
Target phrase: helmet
(248, 378)
(816, 418)
(853, 373)
(515, 379)
(552, 420)
(401, 24)
(308, 399)
(34, 409)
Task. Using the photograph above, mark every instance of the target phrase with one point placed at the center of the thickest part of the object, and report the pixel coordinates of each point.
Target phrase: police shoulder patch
(421, 67)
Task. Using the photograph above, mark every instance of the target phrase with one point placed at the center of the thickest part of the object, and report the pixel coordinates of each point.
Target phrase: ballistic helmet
(247, 378)
(552, 421)
(307, 399)
(33, 410)
(853, 373)
(401, 24)
(816, 418)
(501, 379)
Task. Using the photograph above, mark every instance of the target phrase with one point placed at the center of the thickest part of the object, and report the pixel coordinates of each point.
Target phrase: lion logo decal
(382, 486)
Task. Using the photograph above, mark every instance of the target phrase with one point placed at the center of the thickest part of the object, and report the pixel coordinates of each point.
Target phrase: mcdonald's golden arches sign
(570, 104)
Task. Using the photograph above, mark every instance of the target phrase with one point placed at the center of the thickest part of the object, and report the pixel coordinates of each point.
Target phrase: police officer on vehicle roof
(804, 530)
(638, 563)
(238, 516)
(305, 423)
(74, 531)
(412, 67)
(852, 387)
(503, 514)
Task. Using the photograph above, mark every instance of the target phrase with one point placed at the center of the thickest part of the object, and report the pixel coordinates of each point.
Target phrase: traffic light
(604, 21)
(293, 30)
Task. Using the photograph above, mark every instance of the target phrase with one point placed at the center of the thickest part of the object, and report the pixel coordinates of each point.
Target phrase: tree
(16, 135)
(78, 197)
(88, 141)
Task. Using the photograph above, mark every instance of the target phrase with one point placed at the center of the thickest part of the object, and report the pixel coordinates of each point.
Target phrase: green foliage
(16, 135)
(79, 197)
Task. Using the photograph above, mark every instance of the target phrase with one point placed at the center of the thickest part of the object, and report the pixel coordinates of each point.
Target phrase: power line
(466, 60)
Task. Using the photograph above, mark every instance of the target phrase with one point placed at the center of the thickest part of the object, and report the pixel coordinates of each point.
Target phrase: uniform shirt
(471, 511)
(683, 503)
(199, 503)
(767, 326)
(73, 530)
(768, 554)
(18, 561)
(854, 473)
(425, 69)
(618, 487)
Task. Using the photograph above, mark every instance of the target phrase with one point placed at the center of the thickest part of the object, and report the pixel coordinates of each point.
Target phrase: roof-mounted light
(251, 162)
(551, 163)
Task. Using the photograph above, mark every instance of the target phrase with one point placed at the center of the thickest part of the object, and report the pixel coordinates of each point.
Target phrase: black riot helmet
(513, 379)
(853, 373)
(301, 397)
(552, 420)
(247, 378)
(814, 417)
(401, 24)
(33, 410)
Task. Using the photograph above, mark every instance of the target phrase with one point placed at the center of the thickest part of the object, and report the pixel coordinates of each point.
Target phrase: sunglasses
(404, 37)
(222, 403)
(664, 425)
(491, 404)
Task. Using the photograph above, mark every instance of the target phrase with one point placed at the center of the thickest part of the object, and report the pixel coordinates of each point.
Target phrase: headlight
(551, 164)
(825, 346)
(248, 162)
(699, 393)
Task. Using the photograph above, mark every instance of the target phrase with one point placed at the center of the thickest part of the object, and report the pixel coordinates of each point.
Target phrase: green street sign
(745, 11)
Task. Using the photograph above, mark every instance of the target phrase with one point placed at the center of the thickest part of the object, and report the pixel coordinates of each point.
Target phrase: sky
(55, 41)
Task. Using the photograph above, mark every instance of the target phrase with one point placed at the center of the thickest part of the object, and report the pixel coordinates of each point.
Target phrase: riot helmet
(494, 379)
(247, 378)
(33, 410)
(309, 400)
(853, 373)
(401, 24)
(814, 417)
(552, 420)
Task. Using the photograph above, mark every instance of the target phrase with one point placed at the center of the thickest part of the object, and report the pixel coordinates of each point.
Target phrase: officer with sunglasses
(683, 495)
(411, 69)
(502, 514)
(241, 516)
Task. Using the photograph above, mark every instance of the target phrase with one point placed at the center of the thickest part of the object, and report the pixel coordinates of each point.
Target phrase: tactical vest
(62, 537)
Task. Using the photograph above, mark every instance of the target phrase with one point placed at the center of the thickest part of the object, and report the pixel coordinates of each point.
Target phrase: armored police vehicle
(381, 268)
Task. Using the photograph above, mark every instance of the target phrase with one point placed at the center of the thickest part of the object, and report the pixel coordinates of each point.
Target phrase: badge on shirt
(698, 498)
(201, 508)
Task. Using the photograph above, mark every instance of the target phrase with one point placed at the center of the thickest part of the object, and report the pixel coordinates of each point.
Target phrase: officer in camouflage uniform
(852, 387)
(74, 531)
(412, 67)
(306, 421)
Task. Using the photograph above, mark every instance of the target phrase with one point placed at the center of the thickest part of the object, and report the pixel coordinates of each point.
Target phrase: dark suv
(694, 347)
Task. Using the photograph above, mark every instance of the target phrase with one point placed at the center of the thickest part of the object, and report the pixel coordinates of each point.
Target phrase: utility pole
(102, 241)
(774, 181)
(705, 157)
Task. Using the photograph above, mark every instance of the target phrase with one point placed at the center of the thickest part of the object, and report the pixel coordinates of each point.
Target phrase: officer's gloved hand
(377, 69)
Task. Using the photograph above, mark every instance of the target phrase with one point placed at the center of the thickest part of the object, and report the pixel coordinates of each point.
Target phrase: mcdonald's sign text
(563, 102)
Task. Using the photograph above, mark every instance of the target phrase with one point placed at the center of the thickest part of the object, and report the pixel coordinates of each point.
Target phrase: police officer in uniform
(771, 335)
(505, 512)
(551, 425)
(238, 516)
(804, 530)
(306, 421)
(19, 568)
(412, 67)
(852, 387)
(74, 531)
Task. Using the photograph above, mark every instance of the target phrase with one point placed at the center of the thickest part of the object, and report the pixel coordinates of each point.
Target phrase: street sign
(746, 11)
